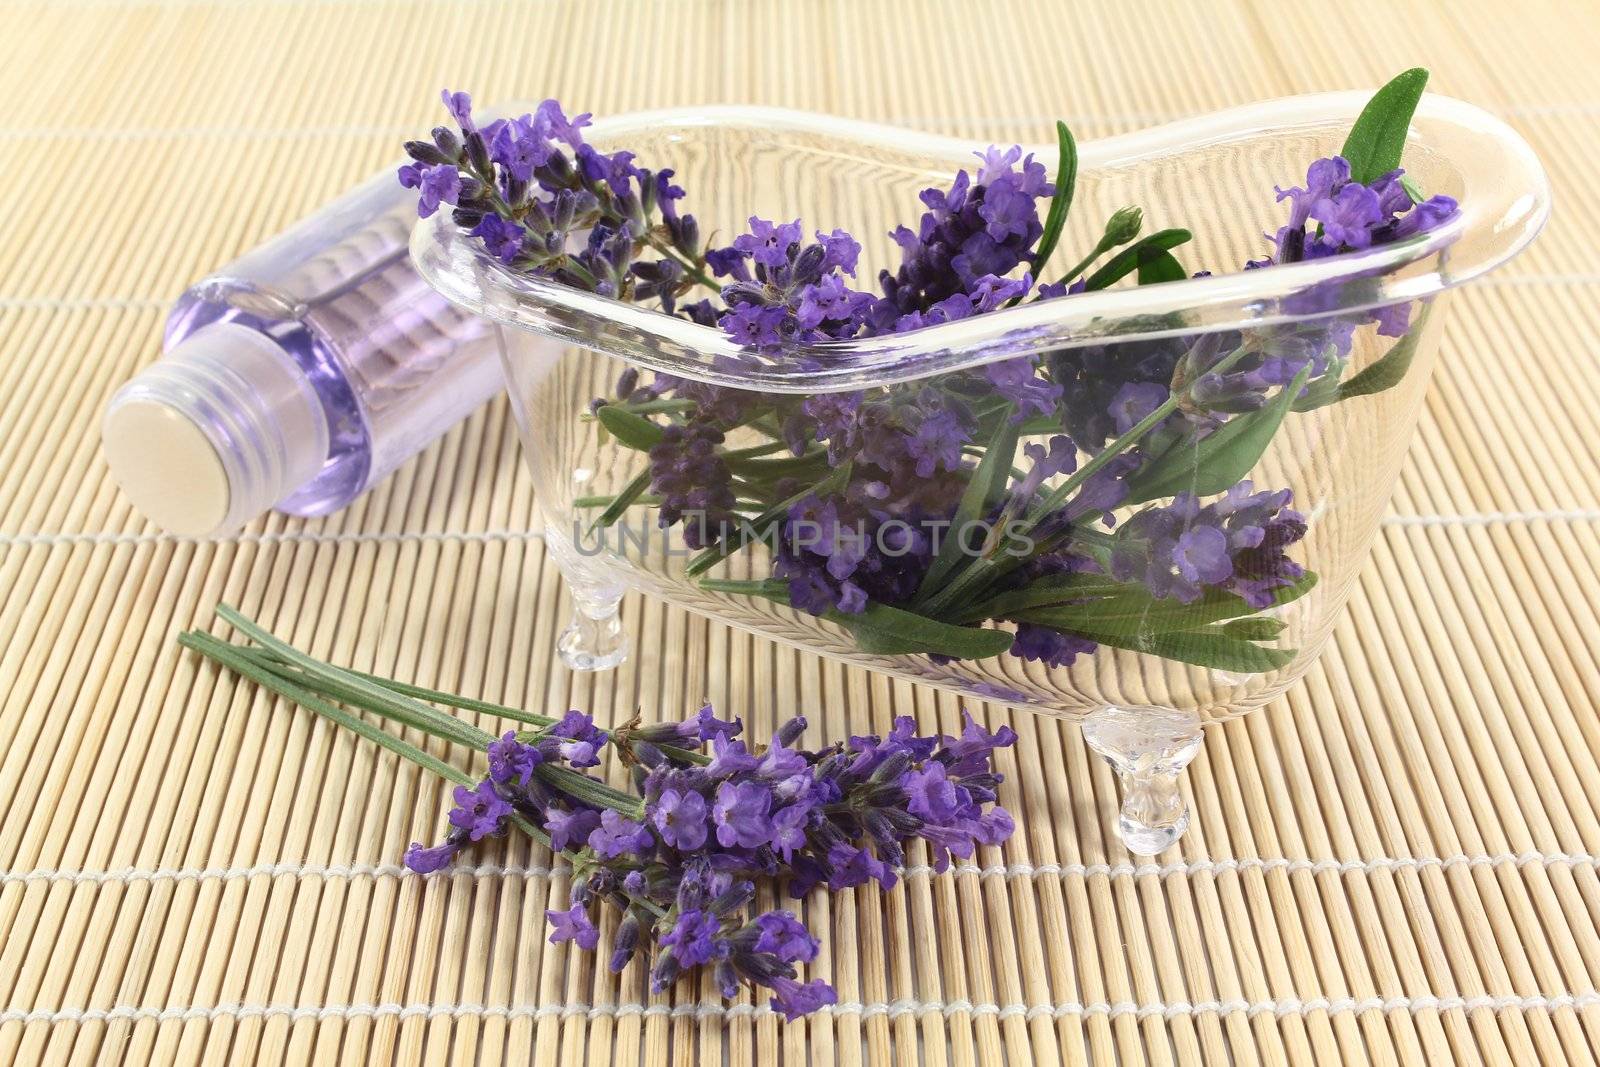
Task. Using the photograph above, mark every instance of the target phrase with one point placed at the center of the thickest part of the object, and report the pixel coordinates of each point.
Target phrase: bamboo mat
(1396, 863)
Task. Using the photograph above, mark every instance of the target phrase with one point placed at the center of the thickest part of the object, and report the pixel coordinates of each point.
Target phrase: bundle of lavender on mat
(1046, 505)
(680, 855)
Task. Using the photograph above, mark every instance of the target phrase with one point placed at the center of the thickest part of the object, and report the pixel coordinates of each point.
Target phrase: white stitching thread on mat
(997, 870)
(269, 870)
(1282, 1006)
(359, 537)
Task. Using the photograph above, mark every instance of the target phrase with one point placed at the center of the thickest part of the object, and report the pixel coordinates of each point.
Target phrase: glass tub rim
(1505, 201)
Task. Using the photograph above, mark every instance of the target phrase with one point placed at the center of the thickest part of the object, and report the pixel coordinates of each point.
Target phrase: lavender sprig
(680, 855)
(529, 188)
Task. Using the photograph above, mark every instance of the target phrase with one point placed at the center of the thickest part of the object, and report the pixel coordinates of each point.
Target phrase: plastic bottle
(299, 375)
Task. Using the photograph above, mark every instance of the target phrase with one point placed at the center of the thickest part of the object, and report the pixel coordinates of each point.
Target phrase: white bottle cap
(215, 432)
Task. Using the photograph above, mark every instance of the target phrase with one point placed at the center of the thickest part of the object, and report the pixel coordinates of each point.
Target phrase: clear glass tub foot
(1148, 748)
(594, 640)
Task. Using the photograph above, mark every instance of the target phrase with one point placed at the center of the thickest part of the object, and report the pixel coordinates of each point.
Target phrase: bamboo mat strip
(1398, 862)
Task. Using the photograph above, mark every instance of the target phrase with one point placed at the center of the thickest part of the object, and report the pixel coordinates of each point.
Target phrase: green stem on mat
(233, 658)
(369, 695)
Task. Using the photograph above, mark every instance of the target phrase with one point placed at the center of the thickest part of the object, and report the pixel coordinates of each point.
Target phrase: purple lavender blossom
(1133, 402)
(424, 860)
(1352, 216)
(680, 818)
(438, 184)
(854, 865)
(784, 936)
(576, 739)
(936, 440)
(573, 925)
(693, 938)
(789, 830)
(729, 758)
(768, 243)
(842, 815)
(503, 239)
(570, 829)
(971, 231)
(618, 836)
(792, 998)
(741, 814)
(1234, 544)
(705, 726)
(480, 811)
(519, 146)
(1018, 381)
(511, 762)
(1047, 646)
(694, 482)
(784, 291)
(460, 107)
(1349, 217)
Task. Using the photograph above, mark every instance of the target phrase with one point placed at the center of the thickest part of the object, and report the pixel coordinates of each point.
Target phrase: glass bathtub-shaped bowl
(1144, 693)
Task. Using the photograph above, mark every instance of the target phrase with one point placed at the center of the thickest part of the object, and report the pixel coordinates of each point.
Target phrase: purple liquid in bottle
(299, 375)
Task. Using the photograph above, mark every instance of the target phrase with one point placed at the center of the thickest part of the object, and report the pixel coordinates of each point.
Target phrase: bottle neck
(221, 428)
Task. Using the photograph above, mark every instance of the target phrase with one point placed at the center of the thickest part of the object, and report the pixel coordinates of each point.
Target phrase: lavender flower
(694, 482)
(617, 836)
(511, 762)
(424, 860)
(1047, 646)
(741, 814)
(784, 291)
(573, 925)
(479, 812)
(792, 999)
(680, 818)
(680, 860)
(1352, 216)
(570, 829)
(1235, 544)
(524, 185)
(693, 939)
(973, 235)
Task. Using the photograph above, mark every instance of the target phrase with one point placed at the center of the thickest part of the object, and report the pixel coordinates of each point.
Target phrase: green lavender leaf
(1127, 261)
(634, 431)
(1133, 612)
(883, 630)
(1323, 390)
(222, 653)
(1210, 647)
(1261, 629)
(1066, 184)
(1385, 372)
(1043, 592)
(1388, 370)
(1378, 138)
(891, 632)
(357, 691)
(1213, 464)
(1160, 266)
(622, 501)
(982, 494)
